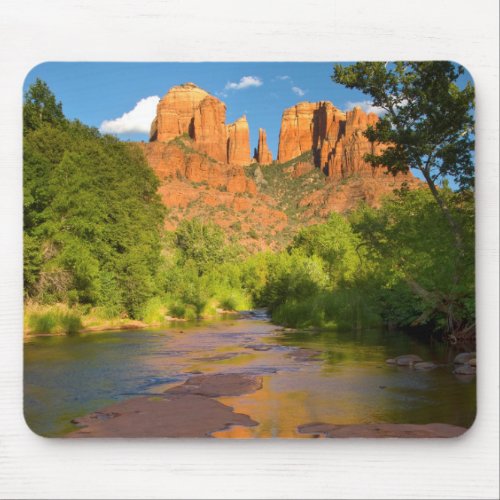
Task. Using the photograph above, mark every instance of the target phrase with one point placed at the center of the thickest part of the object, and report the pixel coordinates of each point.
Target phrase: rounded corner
(467, 429)
(466, 71)
(32, 70)
(31, 427)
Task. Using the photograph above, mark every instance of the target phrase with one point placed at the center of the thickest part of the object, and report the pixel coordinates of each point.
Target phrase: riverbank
(60, 320)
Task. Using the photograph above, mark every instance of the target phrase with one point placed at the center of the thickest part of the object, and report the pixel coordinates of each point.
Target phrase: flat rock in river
(382, 430)
(218, 384)
(424, 365)
(183, 416)
(405, 360)
(219, 357)
(464, 369)
(464, 357)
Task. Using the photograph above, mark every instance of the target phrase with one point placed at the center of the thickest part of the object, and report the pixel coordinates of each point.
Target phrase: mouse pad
(249, 250)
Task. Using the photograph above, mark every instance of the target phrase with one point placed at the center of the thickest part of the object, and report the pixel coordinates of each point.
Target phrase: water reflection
(66, 377)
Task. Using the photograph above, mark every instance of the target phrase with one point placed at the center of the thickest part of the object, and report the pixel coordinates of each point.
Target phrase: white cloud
(283, 77)
(298, 91)
(245, 82)
(137, 120)
(366, 106)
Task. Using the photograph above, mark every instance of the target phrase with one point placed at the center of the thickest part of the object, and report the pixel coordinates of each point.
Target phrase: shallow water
(67, 377)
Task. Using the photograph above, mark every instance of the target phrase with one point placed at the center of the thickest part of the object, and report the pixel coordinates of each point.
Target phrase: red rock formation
(262, 154)
(188, 110)
(301, 169)
(209, 128)
(174, 113)
(347, 157)
(178, 161)
(335, 138)
(296, 133)
(238, 142)
(201, 172)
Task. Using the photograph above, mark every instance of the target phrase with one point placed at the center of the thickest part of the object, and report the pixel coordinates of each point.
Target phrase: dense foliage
(427, 125)
(392, 266)
(92, 217)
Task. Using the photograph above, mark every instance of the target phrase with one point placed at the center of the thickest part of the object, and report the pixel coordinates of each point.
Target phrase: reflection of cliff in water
(345, 380)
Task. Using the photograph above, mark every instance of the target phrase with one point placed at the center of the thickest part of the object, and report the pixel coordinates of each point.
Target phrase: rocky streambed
(245, 378)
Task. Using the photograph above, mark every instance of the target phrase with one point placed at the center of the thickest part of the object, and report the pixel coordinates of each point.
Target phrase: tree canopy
(40, 106)
(92, 218)
(428, 121)
(427, 124)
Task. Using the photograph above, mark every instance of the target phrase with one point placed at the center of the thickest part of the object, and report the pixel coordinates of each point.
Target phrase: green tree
(335, 243)
(412, 252)
(293, 276)
(92, 215)
(427, 126)
(202, 242)
(40, 106)
(428, 123)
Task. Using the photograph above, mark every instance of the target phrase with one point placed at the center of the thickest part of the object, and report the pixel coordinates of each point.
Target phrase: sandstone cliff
(209, 128)
(205, 170)
(187, 110)
(263, 154)
(238, 142)
(175, 112)
(335, 138)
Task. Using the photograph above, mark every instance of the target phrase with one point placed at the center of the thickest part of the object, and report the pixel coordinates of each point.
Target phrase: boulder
(407, 360)
(464, 369)
(424, 365)
(464, 357)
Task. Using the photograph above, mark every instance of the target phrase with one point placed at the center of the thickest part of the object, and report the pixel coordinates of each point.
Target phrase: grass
(43, 322)
(154, 311)
(53, 319)
(343, 309)
(71, 323)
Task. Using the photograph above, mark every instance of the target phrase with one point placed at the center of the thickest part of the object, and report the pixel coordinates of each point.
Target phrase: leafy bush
(154, 311)
(44, 322)
(70, 323)
(228, 303)
(177, 310)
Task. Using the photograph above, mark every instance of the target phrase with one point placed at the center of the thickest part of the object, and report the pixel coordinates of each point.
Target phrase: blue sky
(98, 92)
(95, 92)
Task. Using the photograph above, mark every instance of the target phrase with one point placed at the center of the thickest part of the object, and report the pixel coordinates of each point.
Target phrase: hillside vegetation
(97, 251)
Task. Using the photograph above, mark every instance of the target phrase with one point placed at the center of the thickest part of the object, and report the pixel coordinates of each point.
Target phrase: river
(346, 382)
